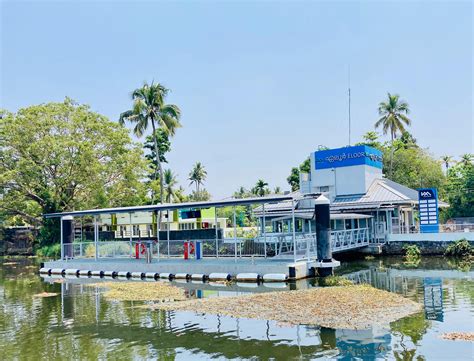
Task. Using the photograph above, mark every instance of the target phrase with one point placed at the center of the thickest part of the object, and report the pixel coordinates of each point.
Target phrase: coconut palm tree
(393, 118)
(260, 188)
(446, 159)
(149, 109)
(197, 175)
(467, 158)
(277, 190)
(170, 182)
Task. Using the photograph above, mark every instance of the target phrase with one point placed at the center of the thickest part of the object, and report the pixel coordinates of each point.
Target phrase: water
(79, 323)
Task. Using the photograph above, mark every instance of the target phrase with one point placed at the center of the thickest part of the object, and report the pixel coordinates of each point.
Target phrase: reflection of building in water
(433, 298)
(363, 344)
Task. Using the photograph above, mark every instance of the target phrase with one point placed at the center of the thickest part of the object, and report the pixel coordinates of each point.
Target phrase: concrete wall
(435, 237)
(426, 247)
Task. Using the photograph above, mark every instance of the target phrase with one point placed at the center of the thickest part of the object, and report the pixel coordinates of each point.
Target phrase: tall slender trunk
(391, 155)
(158, 163)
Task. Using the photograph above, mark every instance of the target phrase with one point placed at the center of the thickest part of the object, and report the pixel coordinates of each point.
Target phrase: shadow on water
(80, 323)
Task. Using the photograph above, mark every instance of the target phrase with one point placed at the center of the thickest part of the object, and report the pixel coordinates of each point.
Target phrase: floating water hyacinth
(349, 307)
(141, 291)
(458, 336)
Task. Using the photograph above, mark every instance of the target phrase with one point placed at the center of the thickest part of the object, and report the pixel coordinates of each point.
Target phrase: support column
(131, 233)
(168, 230)
(323, 235)
(61, 237)
(293, 228)
(264, 232)
(217, 232)
(235, 238)
(96, 238)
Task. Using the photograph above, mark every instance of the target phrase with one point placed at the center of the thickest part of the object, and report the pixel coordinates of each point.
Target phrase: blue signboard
(348, 156)
(428, 207)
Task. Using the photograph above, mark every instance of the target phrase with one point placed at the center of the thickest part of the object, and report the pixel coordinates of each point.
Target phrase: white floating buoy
(254, 277)
(57, 271)
(182, 276)
(110, 274)
(72, 271)
(138, 274)
(167, 275)
(275, 277)
(97, 273)
(45, 270)
(219, 276)
(85, 273)
(198, 277)
(124, 274)
(152, 275)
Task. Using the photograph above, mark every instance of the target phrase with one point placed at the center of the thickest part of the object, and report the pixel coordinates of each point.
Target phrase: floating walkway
(253, 270)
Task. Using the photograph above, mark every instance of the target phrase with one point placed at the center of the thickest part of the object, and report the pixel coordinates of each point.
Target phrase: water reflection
(80, 323)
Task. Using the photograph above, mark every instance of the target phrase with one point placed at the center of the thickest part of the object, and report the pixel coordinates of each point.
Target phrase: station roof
(173, 206)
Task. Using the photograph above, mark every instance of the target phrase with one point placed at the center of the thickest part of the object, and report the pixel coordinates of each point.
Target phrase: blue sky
(260, 84)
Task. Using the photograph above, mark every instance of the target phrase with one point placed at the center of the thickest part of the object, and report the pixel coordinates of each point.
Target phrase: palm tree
(446, 159)
(467, 158)
(197, 175)
(149, 108)
(169, 183)
(393, 118)
(240, 193)
(277, 190)
(260, 188)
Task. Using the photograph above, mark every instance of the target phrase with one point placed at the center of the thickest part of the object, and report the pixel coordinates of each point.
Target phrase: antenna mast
(349, 91)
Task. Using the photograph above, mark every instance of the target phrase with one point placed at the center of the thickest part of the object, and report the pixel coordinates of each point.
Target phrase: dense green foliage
(459, 248)
(459, 191)
(197, 176)
(62, 156)
(294, 177)
(412, 255)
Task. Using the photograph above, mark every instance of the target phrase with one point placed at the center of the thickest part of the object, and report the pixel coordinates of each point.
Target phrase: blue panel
(348, 156)
(428, 208)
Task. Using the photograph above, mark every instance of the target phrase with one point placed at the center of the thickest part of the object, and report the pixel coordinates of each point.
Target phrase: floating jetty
(244, 270)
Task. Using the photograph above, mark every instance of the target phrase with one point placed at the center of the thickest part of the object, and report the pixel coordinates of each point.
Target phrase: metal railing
(349, 239)
(278, 245)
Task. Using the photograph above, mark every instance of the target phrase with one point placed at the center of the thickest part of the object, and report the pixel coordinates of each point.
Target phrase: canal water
(79, 323)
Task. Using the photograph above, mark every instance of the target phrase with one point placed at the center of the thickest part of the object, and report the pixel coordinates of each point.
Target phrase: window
(324, 189)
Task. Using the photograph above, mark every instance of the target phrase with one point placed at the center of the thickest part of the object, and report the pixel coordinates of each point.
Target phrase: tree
(241, 193)
(415, 168)
(260, 188)
(446, 159)
(294, 177)
(200, 196)
(164, 146)
(371, 139)
(459, 191)
(149, 108)
(393, 118)
(277, 190)
(170, 182)
(61, 156)
(197, 175)
(467, 158)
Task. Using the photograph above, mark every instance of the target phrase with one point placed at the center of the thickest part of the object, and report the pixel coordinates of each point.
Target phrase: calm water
(79, 323)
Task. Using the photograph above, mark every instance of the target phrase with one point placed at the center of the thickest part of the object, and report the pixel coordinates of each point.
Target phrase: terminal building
(361, 197)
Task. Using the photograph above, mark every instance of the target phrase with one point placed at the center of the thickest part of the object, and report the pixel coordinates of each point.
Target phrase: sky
(260, 84)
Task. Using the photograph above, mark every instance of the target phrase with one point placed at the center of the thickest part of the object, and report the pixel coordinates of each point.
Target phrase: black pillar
(68, 236)
(323, 234)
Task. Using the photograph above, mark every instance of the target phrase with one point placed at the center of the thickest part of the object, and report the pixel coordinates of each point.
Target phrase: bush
(51, 251)
(331, 281)
(459, 248)
(412, 255)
